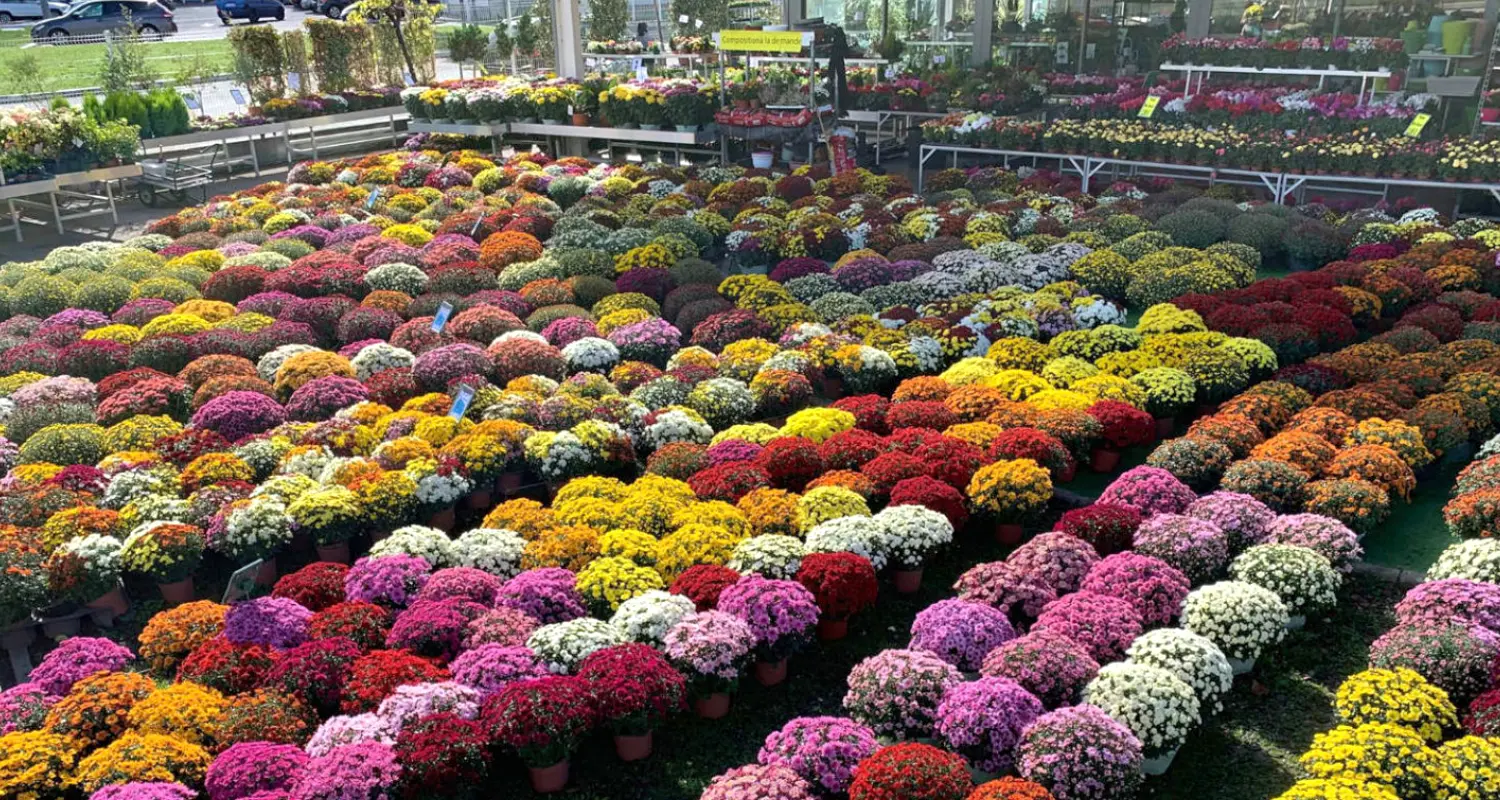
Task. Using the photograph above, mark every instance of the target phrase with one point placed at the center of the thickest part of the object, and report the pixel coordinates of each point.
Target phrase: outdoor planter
(714, 706)
(548, 780)
(633, 748)
(177, 592)
(908, 581)
(768, 673)
(1104, 461)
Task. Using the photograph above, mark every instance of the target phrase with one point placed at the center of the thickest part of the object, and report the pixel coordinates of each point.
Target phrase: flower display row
(996, 89)
(1268, 109)
(1359, 152)
(1312, 52)
(1062, 663)
(1420, 720)
(56, 141)
(649, 104)
(277, 371)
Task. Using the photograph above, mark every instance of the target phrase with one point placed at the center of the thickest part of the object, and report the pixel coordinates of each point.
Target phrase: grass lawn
(77, 66)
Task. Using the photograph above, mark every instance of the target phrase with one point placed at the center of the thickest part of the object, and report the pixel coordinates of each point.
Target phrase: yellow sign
(1417, 124)
(761, 41)
(1149, 107)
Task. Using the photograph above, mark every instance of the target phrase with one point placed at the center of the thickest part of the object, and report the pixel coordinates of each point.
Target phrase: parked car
(253, 10)
(11, 10)
(339, 9)
(95, 17)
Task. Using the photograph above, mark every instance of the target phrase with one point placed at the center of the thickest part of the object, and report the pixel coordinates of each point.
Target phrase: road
(194, 20)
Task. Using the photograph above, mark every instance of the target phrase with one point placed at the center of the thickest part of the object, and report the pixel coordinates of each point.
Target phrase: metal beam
(567, 41)
(984, 28)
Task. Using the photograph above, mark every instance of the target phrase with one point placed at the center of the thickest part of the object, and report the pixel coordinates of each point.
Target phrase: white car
(11, 10)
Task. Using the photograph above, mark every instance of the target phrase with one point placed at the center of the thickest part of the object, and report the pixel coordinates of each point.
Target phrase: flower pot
(1165, 427)
(265, 574)
(1461, 453)
(768, 673)
(908, 581)
(478, 499)
(1159, 765)
(61, 627)
(1296, 622)
(178, 592)
(442, 520)
(1489, 114)
(633, 748)
(832, 630)
(1456, 35)
(508, 483)
(1207, 409)
(1103, 460)
(833, 388)
(1412, 41)
(581, 120)
(1066, 474)
(1008, 533)
(761, 159)
(1240, 666)
(547, 780)
(336, 553)
(715, 706)
(112, 601)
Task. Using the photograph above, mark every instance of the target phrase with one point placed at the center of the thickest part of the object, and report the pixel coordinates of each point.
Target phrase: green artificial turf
(1415, 534)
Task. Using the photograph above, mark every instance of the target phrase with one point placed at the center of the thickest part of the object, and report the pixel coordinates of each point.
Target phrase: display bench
(552, 136)
(1203, 71)
(1280, 185)
(887, 131)
(254, 147)
(69, 196)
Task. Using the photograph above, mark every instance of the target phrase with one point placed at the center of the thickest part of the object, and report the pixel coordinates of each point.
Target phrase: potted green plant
(686, 107)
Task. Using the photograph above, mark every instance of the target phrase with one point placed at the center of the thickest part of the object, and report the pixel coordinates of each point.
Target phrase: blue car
(253, 10)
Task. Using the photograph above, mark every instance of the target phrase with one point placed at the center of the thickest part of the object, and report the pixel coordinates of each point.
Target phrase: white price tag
(939, 59)
(698, 23)
(682, 19)
(77, 142)
(640, 74)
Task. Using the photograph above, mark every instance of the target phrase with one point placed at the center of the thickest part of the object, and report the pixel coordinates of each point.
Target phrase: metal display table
(66, 199)
(671, 140)
(1280, 185)
(1202, 71)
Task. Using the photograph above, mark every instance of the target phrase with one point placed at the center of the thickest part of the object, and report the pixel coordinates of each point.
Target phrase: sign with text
(372, 199)
(440, 320)
(239, 96)
(760, 41)
(1417, 124)
(461, 401)
(1149, 107)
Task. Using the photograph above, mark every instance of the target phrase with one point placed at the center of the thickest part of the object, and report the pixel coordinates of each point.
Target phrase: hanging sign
(761, 41)
(239, 96)
(1149, 107)
(1417, 124)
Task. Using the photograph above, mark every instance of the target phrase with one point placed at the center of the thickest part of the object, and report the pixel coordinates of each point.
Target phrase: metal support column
(1199, 15)
(984, 27)
(567, 41)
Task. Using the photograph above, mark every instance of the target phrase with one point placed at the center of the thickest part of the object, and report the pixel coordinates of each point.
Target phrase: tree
(526, 36)
(125, 67)
(714, 13)
(259, 61)
(541, 18)
(505, 46)
(609, 19)
(402, 17)
(197, 72)
(467, 43)
(24, 72)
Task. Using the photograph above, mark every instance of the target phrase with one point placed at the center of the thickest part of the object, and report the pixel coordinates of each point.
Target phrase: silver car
(11, 10)
(92, 18)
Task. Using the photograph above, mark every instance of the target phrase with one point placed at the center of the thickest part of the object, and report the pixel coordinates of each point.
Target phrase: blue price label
(441, 319)
(239, 96)
(477, 224)
(295, 81)
(192, 102)
(372, 199)
(461, 401)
